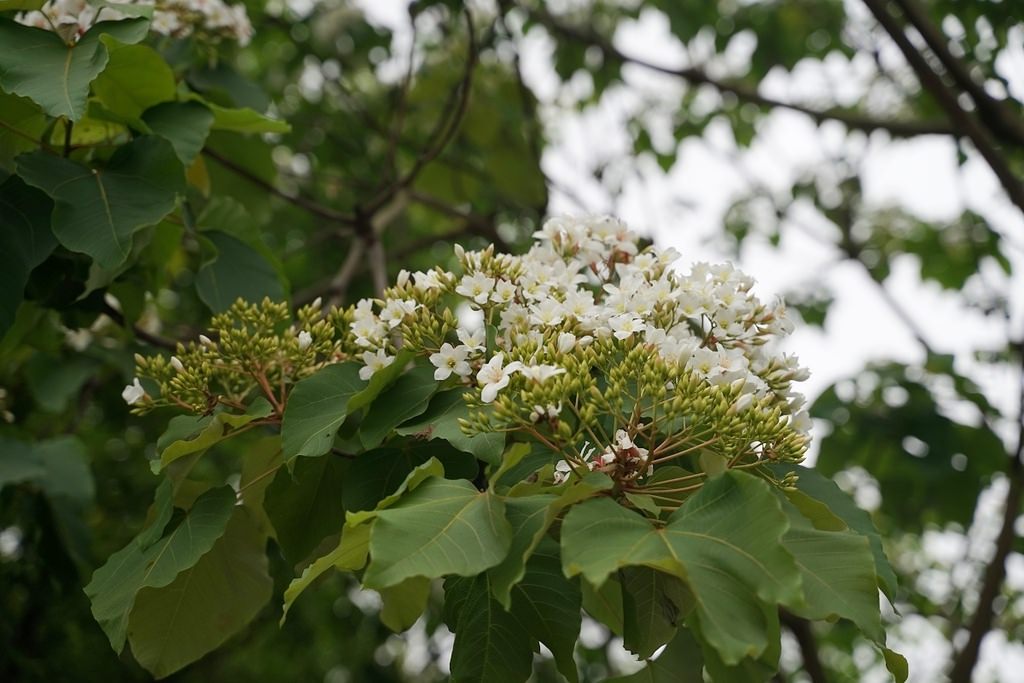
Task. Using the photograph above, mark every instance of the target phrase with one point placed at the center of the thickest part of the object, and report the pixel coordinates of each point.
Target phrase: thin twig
(151, 339)
(302, 202)
(445, 129)
(696, 75)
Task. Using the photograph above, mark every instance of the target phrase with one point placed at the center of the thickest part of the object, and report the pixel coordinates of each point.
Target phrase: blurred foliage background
(403, 142)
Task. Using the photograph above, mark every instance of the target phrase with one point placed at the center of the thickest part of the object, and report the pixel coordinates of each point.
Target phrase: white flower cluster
(176, 18)
(586, 279)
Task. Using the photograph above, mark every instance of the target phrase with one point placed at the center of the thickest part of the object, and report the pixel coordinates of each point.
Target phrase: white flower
(541, 373)
(476, 287)
(374, 361)
(547, 313)
(305, 339)
(133, 393)
(426, 281)
(205, 341)
(494, 376)
(562, 471)
(176, 364)
(504, 292)
(474, 341)
(623, 326)
(395, 311)
(450, 359)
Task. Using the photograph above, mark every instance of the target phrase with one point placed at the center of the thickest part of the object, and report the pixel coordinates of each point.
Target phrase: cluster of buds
(587, 337)
(212, 19)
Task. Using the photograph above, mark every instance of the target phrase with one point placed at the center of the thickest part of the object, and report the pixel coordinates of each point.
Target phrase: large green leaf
(316, 408)
(58, 466)
(838, 573)
(404, 603)
(821, 488)
(173, 626)
(548, 606)
(305, 506)
(491, 645)
(725, 543)
(237, 271)
(114, 586)
(37, 64)
(442, 527)
(198, 435)
(136, 78)
(25, 242)
(530, 517)
(441, 421)
(98, 210)
(680, 662)
(185, 125)
(244, 120)
(350, 554)
(654, 605)
(24, 124)
(405, 399)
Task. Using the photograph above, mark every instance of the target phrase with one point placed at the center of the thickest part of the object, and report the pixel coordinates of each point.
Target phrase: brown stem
(801, 630)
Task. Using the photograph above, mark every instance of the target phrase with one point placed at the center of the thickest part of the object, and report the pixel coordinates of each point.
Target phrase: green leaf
(219, 427)
(680, 662)
(98, 210)
(752, 669)
(11, 5)
(58, 466)
(548, 606)
(237, 272)
(654, 604)
(173, 626)
(305, 506)
(406, 398)
(316, 408)
(442, 527)
(838, 575)
(530, 517)
(350, 554)
(377, 478)
(605, 603)
(25, 242)
(23, 129)
(725, 543)
(404, 603)
(185, 125)
(136, 78)
(244, 120)
(441, 421)
(53, 381)
(896, 664)
(491, 645)
(37, 64)
(114, 585)
(821, 488)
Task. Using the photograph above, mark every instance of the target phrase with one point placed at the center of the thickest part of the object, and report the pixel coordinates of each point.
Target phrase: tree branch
(302, 202)
(801, 630)
(697, 76)
(995, 571)
(151, 339)
(994, 113)
(964, 122)
(444, 131)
